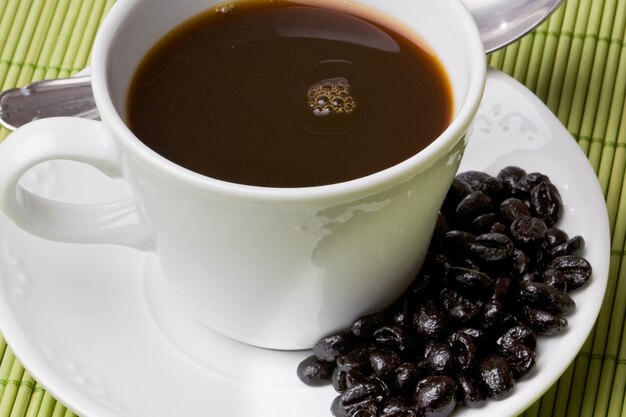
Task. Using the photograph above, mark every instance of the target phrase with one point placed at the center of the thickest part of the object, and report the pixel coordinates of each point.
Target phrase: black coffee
(281, 94)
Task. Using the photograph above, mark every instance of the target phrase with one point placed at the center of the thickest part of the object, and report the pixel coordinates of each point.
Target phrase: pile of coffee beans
(497, 274)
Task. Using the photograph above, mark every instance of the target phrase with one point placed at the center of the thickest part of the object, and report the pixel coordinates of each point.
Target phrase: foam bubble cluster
(225, 8)
(331, 96)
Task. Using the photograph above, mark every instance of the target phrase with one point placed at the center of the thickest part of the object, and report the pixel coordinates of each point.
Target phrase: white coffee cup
(273, 267)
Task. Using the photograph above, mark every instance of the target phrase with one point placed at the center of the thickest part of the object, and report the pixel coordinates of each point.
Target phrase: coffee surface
(281, 94)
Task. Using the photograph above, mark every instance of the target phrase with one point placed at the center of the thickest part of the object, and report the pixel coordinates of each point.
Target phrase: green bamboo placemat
(575, 62)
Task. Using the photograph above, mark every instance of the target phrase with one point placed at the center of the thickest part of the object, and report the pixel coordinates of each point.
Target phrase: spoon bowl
(502, 22)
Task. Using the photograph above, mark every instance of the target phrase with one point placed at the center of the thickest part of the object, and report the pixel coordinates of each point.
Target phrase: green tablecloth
(575, 62)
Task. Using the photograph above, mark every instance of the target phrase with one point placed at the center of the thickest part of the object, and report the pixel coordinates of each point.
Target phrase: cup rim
(376, 181)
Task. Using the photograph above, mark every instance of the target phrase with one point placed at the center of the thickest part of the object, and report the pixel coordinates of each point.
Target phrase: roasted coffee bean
(401, 312)
(362, 393)
(577, 270)
(479, 336)
(475, 179)
(406, 377)
(404, 412)
(546, 202)
(435, 396)
(365, 326)
(338, 379)
(483, 223)
(328, 348)
(528, 182)
(458, 240)
(493, 314)
(463, 349)
(555, 279)
(570, 247)
(470, 280)
(555, 236)
(502, 289)
(528, 230)
(315, 372)
(542, 322)
(481, 181)
(498, 227)
(542, 258)
(397, 407)
(520, 262)
(429, 321)
(342, 379)
(337, 409)
(458, 191)
(472, 206)
(512, 208)
(496, 377)
(509, 176)
(357, 359)
(509, 320)
(530, 276)
(470, 392)
(438, 358)
(351, 407)
(460, 309)
(396, 338)
(518, 335)
(544, 297)
(491, 247)
(467, 263)
(521, 359)
(437, 265)
(368, 409)
(384, 362)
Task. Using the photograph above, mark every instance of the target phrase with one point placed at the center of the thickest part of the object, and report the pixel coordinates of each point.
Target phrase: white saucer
(98, 326)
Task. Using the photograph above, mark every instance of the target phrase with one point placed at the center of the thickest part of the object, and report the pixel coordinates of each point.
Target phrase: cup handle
(82, 140)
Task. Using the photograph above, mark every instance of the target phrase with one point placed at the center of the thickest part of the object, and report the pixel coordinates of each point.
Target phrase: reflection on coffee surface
(282, 94)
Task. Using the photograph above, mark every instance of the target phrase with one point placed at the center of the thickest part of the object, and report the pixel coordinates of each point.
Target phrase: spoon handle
(48, 98)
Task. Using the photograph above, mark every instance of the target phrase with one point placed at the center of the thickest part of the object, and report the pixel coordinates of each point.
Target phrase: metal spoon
(500, 22)
(47, 98)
